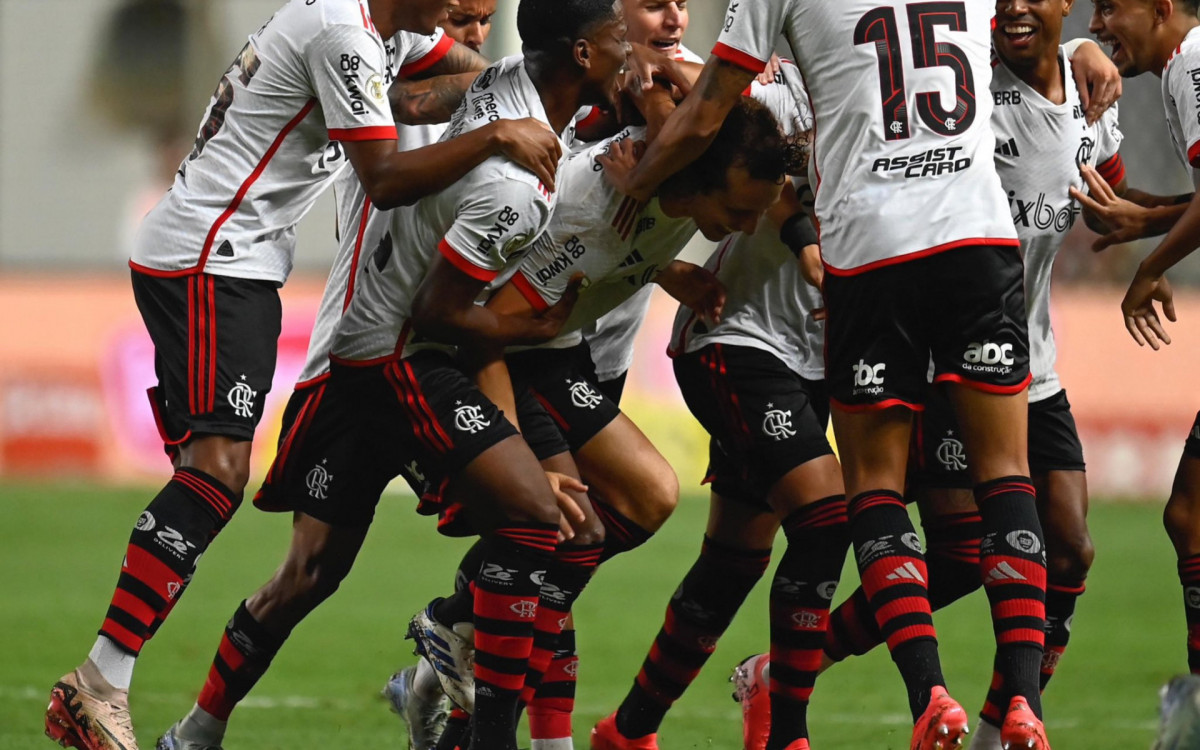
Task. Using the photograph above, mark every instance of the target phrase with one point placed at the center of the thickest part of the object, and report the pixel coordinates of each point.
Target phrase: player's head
(587, 36)
(1028, 30)
(736, 179)
(469, 21)
(658, 24)
(1141, 33)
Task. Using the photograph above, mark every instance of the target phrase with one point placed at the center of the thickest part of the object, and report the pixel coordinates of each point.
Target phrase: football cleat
(986, 737)
(1022, 728)
(942, 726)
(1179, 714)
(425, 719)
(172, 741)
(83, 715)
(752, 689)
(451, 653)
(606, 736)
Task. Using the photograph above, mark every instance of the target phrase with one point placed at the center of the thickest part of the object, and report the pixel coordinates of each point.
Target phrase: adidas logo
(906, 572)
(632, 260)
(1005, 572)
(1008, 149)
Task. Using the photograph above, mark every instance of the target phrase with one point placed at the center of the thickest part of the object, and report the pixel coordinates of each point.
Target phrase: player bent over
(921, 262)
(1164, 38)
(394, 396)
(307, 93)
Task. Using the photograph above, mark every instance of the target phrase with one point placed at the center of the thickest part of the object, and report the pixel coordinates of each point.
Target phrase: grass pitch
(60, 546)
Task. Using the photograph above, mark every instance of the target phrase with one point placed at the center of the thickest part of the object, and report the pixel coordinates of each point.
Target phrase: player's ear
(582, 51)
(1067, 5)
(1163, 10)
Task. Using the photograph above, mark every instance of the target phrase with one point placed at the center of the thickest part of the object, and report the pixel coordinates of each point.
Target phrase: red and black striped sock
(620, 533)
(506, 604)
(1061, 597)
(243, 657)
(565, 580)
(805, 581)
(166, 542)
(551, 708)
(895, 578)
(1013, 564)
(852, 629)
(1189, 577)
(697, 615)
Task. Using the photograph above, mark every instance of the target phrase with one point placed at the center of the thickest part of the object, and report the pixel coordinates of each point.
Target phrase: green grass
(60, 546)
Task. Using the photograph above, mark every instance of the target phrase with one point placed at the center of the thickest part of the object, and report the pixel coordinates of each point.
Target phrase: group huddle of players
(911, 173)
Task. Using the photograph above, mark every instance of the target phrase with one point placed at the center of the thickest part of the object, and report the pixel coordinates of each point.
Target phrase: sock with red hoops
(167, 541)
(805, 582)
(506, 604)
(551, 708)
(620, 533)
(565, 580)
(1189, 577)
(894, 577)
(952, 559)
(1013, 564)
(1061, 597)
(698, 614)
(243, 657)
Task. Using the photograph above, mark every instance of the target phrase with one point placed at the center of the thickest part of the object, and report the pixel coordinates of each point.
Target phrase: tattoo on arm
(726, 83)
(458, 59)
(429, 101)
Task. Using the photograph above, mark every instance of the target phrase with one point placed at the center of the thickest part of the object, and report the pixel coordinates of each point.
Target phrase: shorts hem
(876, 406)
(979, 385)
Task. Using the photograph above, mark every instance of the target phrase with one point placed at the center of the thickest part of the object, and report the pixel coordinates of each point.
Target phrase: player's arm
(432, 94)
(694, 287)
(687, 132)
(1096, 77)
(1121, 214)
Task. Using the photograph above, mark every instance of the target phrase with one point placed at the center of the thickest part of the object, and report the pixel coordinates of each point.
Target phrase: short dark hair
(554, 25)
(749, 138)
(1192, 5)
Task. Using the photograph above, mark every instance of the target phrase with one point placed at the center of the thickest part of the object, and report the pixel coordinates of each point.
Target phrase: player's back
(903, 153)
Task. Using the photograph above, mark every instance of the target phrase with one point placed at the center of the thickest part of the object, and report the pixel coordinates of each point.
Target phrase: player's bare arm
(1096, 78)
(1123, 214)
(432, 95)
(687, 132)
(695, 287)
(393, 178)
(1150, 282)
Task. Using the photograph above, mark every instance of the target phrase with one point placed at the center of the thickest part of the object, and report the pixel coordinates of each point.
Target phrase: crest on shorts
(777, 423)
(469, 418)
(583, 395)
(318, 481)
(241, 398)
(950, 452)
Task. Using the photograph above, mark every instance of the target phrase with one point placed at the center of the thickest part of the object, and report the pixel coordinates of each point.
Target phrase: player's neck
(561, 91)
(385, 15)
(1044, 75)
(1174, 32)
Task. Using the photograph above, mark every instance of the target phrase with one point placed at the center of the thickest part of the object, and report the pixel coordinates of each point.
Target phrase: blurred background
(91, 141)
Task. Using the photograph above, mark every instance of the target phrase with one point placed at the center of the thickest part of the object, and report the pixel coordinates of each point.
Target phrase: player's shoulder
(1183, 66)
(316, 16)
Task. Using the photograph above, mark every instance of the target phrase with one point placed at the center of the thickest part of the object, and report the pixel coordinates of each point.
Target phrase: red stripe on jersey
(431, 58)
(160, 274)
(1003, 390)
(530, 294)
(1113, 170)
(368, 24)
(885, 404)
(245, 188)
(366, 133)
(739, 58)
(362, 229)
(1194, 154)
(402, 339)
(988, 241)
(416, 418)
(464, 265)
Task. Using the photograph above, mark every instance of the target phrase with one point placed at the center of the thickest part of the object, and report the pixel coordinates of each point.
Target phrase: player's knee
(231, 467)
(1069, 558)
(661, 498)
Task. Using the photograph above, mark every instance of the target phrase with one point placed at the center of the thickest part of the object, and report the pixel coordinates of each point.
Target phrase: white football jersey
(1039, 149)
(316, 74)
(902, 160)
(481, 224)
(611, 337)
(1181, 95)
(768, 305)
(617, 243)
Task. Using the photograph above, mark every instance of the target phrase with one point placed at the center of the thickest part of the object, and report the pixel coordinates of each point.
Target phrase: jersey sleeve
(751, 28)
(423, 52)
(1108, 146)
(1185, 101)
(492, 227)
(349, 70)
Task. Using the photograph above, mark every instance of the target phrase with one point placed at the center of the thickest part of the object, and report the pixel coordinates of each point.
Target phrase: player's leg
(1181, 517)
(214, 373)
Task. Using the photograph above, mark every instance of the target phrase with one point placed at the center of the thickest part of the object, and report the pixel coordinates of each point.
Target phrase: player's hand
(1097, 80)
(560, 485)
(619, 160)
(532, 144)
(556, 315)
(1141, 319)
(1125, 221)
(647, 63)
(767, 77)
(695, 287)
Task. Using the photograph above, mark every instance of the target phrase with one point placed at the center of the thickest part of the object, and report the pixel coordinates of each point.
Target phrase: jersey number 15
(878, 27)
